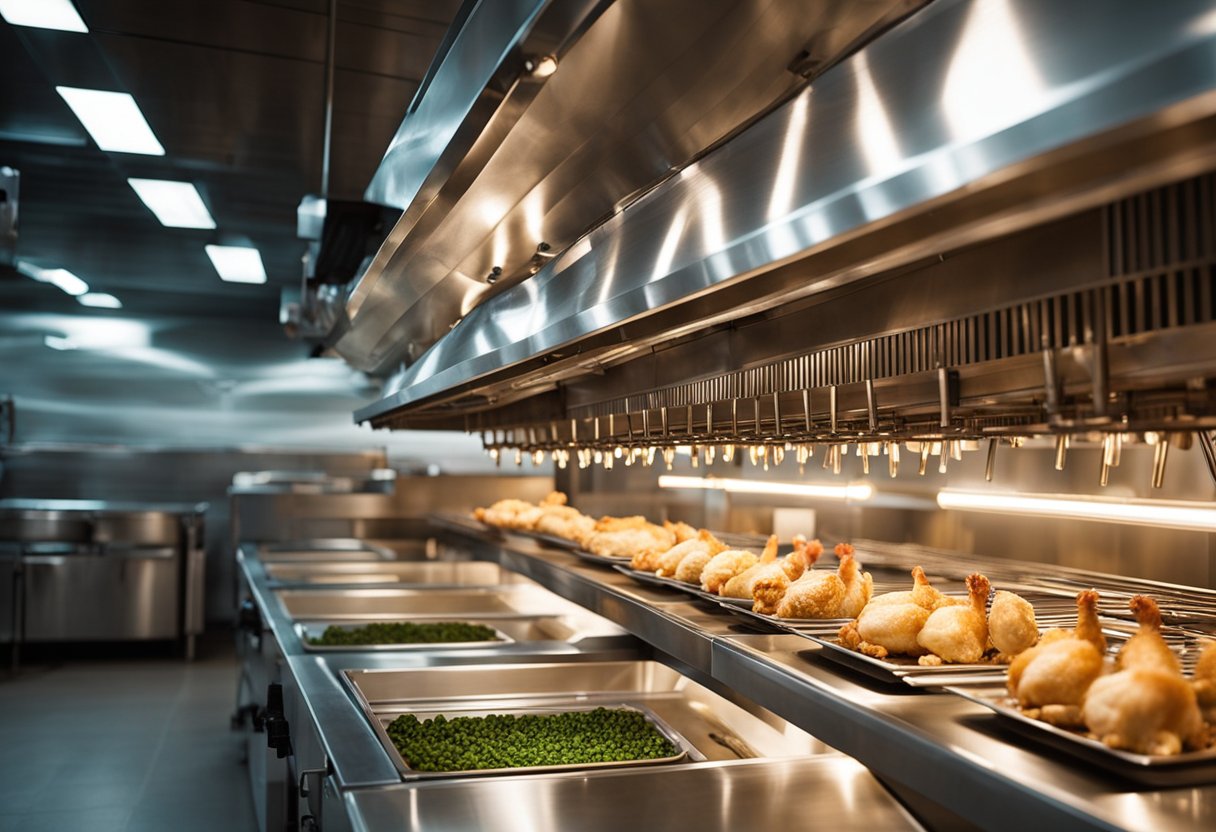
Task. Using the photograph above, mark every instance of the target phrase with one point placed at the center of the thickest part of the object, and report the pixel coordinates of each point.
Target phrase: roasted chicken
(1147, 706)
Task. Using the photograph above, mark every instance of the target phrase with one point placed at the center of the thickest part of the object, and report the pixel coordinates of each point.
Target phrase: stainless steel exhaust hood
(503, 162)
(968, 121)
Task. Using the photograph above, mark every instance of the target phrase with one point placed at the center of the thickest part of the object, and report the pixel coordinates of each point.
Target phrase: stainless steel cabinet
(121, 594)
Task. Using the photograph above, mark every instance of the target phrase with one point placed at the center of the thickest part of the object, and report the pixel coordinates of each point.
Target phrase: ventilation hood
(543, 118)
(965, 122)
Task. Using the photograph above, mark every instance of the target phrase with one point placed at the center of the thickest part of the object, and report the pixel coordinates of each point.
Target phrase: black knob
(248, 618)
(274, 722)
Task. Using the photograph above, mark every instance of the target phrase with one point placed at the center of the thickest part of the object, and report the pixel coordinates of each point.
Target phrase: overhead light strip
(113, 119)
(60, 278)
(1170, 514)
(99, 300)
(43, 14)
(237, 264)
(860, 491)
(175, 204)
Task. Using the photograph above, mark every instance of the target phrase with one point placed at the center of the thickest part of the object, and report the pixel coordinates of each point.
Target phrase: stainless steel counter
(830, 792)
(954, 752)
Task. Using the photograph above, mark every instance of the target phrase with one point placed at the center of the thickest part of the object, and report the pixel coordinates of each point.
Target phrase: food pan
(383, 603)
(394, 573)
(424, 711)
(339, 549)
(306, 630)
(712, 727)
(1176, 770)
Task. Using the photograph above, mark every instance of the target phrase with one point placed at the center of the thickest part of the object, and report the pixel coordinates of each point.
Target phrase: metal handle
(44, 560)
(304, 775)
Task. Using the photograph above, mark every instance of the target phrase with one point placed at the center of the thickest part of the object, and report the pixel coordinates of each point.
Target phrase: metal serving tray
(393, 573)
(711, 727)
(907, 670)
(1186, 769)
(308, 629)
(603, 560)
(424, 711)
(650, 579)
(386, 603)
(550, 540)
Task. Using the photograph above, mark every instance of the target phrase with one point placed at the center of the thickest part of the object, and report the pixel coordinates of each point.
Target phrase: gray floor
(123, 744)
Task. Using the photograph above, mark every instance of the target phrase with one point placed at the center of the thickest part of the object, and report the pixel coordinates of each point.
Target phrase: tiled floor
(117, 744)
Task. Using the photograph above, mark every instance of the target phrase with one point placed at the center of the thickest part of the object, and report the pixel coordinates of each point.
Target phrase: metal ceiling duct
(503, 162)
(968, 121)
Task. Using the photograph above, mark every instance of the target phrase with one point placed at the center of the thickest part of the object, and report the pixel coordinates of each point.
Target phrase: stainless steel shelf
(952, 751)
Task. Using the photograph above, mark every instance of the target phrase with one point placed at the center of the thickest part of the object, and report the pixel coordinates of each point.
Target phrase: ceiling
(235, 91)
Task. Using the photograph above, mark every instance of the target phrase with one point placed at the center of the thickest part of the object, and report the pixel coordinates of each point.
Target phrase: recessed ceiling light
(237, 264)
(113, 119)
(100, 300)
(61, 278)
(43, 14)
(175, 204)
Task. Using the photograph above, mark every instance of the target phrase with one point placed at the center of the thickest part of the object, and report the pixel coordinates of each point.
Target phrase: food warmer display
(959, 257)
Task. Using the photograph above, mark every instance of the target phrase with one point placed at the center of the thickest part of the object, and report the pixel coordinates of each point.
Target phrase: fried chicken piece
(883, 629)
(923, 594)
(770, 587)
(959, 634)
(1062, 666)
(1146, 707)
(681, 530)
(1147, 649)
(890, 623)
(826, 595)
(742, 585)
(510, 514)
(625, 536)
(565, 521)
(665, 564)
(1205, 681)
(858, 585)
(724, 566)
(1011, 624)
(693, 564)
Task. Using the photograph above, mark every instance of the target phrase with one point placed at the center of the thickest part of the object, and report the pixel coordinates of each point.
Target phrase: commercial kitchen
(607, 414)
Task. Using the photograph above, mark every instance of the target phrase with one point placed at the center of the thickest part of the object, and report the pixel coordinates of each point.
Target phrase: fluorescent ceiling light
(175, 204)
(113, 120)
(60, 278)
(237, 264)
(43, 14)
(862, 491)
(1171, 514)
(100, 300)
